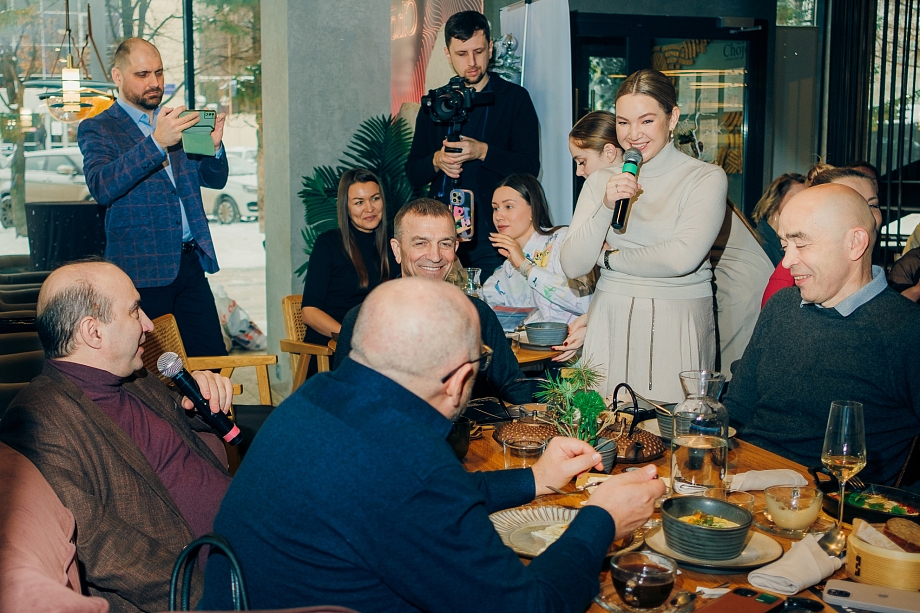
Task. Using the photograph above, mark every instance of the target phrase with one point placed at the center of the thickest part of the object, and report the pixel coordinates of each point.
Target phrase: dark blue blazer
(143, 226)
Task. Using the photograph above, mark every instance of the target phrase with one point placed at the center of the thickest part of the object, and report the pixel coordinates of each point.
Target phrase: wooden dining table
(485, 454)
(534, 356)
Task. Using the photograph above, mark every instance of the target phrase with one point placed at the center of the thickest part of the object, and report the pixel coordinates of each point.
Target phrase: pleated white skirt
(647, 342)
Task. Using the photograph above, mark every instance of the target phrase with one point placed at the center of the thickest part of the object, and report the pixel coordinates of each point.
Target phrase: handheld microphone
(170, 365)
(631, 160)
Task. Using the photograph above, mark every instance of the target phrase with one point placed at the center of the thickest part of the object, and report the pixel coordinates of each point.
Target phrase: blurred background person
(652, 312)
(904, 277)
(766, 212)
(531, 275)
(349, 261)
(822, 174)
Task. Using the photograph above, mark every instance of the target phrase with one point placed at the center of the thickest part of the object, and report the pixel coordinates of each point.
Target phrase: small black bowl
(850, 511)
(459, 437)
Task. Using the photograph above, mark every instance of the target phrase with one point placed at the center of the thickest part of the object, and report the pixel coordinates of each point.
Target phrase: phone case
(871, 597)
(197, 139)
(743, 600)
(461, 203)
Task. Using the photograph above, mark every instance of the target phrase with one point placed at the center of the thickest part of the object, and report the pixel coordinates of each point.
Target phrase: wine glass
(844, 452)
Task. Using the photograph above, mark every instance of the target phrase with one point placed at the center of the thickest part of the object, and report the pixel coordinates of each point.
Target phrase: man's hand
(573, 342)
(218, 133)
(170, 126)
(217, 390)
(563, 459)
(629, 498)
(451, 169)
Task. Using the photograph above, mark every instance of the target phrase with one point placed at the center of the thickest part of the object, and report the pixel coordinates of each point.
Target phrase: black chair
(16, 371)
(19, 342)
(24, 278)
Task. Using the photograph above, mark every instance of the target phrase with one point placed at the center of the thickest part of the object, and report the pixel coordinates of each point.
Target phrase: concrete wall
(326, 69)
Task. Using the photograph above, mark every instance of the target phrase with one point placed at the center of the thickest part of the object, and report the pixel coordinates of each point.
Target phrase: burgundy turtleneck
(194, 484)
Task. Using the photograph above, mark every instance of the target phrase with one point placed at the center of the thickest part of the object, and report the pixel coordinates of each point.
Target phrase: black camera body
(451, 103)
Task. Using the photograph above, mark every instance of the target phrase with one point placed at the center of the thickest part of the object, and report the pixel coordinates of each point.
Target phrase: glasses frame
(485, 358)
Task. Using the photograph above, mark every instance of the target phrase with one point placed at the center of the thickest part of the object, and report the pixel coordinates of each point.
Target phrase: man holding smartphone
(497, 140)
(156, 229)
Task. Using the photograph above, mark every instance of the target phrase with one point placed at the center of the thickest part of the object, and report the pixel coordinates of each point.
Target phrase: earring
(671, 136)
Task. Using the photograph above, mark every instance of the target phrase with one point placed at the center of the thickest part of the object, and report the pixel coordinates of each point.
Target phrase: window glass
(795, 12)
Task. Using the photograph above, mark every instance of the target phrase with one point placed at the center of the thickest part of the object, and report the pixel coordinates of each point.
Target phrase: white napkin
(804, 565)
(712, 592)
(762, 479)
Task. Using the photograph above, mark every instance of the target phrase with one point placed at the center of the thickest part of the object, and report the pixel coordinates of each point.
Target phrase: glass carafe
(699, 444)
(472, 286)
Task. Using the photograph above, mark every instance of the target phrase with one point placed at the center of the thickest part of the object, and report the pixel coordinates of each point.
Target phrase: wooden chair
(165, 337)
(301, 352)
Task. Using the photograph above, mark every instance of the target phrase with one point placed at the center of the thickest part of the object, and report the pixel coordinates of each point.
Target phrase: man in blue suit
(156, 229)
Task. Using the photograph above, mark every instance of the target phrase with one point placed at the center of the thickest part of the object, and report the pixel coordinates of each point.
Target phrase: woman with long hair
(652, 312)
(766, 212)
(350, 261)
(531, 275)
(821, 174)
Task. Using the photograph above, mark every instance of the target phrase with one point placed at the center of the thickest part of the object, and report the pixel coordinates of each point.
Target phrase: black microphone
(631, 160)
(170, 365)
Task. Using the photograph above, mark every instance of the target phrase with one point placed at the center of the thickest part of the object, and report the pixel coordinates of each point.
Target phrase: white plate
(759, 551)
(516, 527)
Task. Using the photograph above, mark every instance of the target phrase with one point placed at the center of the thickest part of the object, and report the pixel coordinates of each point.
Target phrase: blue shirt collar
(137, 115)
(867, 292)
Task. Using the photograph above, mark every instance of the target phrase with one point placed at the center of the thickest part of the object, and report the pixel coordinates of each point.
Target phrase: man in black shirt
(424, 245)
(497, 140)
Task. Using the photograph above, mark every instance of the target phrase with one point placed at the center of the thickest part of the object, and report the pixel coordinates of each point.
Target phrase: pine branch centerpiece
(573, 405)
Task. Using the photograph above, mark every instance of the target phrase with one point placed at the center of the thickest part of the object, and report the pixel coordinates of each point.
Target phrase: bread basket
(876, 566)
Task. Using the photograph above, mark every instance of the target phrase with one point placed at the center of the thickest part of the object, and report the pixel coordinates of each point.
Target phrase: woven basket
(876, 566)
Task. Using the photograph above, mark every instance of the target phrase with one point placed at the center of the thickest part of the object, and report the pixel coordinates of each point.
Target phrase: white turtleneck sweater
(670, 228)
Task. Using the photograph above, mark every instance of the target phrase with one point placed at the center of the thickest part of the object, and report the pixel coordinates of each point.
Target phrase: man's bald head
(69, 294)
(827, 232)
(129, 46)
(415, 331)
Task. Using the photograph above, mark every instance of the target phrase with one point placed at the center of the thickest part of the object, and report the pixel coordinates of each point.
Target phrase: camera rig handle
(453, 135)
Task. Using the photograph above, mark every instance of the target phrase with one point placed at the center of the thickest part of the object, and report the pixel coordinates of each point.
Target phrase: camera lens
(841, 593)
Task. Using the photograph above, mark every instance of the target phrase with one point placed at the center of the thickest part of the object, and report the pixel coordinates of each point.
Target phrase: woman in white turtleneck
(652, 313)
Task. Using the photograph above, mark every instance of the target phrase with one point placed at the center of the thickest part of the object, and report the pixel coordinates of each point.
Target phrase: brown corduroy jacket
(129, 530)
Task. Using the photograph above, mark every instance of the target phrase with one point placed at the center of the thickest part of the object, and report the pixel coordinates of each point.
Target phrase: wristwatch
(607, 256)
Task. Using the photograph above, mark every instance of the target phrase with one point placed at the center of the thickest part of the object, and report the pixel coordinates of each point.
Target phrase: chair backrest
(165, 337)
(294, 327)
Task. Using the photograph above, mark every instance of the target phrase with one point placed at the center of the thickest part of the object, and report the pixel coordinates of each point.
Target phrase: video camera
(450, 103)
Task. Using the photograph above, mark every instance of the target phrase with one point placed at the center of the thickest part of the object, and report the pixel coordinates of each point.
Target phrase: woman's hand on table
(573, 342)
(563, 459)
(623, 185)
(629, 498)
(508, 248)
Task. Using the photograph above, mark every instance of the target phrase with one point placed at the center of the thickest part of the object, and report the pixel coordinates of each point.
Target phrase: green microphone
(631, 160)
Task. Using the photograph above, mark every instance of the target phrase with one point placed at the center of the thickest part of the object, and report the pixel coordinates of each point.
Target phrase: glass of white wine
(844, 452)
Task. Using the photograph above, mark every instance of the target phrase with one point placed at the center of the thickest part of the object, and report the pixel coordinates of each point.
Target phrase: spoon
(682, 602)
(834, 543)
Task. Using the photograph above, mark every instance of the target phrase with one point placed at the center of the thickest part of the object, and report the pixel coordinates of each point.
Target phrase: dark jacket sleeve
(420, 168)
(522, 154)
(110, 172)
(906, 271)
(212, 170)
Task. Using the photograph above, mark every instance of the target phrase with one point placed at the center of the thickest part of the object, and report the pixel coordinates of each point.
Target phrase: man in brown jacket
(113, 441)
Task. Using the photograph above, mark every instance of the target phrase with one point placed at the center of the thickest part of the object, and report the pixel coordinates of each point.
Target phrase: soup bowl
(704, 542)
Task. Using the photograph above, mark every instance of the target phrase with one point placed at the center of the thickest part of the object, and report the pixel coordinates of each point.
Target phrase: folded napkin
(762, 479)
(712, 592)
(804, 565)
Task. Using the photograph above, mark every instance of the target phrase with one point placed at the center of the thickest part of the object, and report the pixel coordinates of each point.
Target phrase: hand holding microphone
(170, 365)
(622, 187)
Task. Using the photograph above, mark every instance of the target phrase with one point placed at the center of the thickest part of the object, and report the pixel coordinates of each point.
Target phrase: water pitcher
(699, 445)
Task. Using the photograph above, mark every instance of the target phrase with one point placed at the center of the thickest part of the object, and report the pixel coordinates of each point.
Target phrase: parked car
(53, 175)
(244, 153)
(240, 191)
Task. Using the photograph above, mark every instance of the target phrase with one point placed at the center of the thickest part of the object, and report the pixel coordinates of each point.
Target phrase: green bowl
(704, 542)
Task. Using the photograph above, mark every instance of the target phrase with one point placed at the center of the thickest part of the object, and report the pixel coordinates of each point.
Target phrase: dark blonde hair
(653, 84)
(830, 174)
(349, 178)
(774, 195)
(532, 193)
(595, 130)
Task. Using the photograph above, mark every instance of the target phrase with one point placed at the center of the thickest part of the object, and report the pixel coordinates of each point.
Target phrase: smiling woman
(652, 313)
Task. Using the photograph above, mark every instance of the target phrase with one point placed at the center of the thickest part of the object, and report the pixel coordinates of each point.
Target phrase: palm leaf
(380, 144)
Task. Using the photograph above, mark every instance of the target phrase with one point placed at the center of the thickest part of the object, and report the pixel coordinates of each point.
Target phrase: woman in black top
(348, 262)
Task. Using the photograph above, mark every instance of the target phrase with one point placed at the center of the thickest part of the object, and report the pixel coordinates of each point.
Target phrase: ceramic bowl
(546, 333)
(704, 542)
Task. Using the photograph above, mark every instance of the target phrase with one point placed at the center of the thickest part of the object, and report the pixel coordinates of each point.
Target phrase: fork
(856, 483)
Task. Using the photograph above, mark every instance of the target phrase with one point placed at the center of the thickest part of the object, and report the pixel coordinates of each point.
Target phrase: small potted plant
(577, 410)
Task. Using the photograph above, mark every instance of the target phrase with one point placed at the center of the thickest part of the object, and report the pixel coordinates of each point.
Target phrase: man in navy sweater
(840, 334)
(350, 494)
(499, 139)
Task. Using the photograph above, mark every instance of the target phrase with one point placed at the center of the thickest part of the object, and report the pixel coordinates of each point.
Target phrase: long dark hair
(349, 178)
(532, 192)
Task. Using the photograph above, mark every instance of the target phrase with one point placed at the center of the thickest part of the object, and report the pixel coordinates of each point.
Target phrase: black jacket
(512, 133)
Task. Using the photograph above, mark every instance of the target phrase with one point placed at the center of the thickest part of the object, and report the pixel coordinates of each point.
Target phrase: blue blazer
(143, 226)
